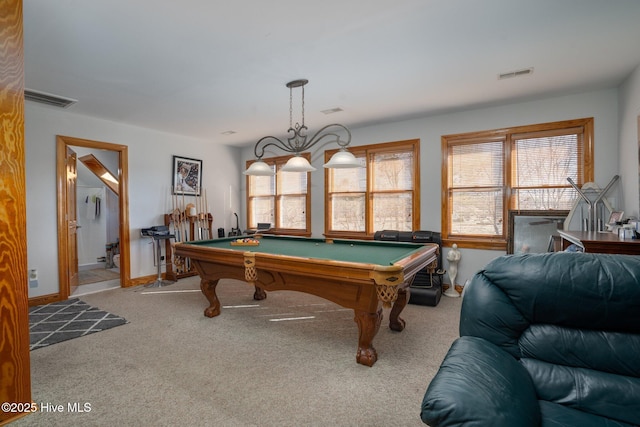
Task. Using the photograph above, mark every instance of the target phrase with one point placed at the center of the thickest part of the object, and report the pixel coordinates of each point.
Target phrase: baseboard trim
(144, 280)
(44, 299)
(14, 418)
(47, 299)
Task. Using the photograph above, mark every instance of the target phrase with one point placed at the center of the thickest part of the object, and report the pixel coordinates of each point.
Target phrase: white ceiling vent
(48, 99)
(517, 73)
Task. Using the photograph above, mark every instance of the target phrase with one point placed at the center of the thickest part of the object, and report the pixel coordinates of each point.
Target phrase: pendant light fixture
(298, 142)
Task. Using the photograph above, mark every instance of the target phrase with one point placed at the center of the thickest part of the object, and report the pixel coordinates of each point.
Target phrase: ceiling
(201, 68)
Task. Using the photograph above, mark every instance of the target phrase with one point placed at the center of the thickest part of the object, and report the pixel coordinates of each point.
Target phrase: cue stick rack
(188, 222)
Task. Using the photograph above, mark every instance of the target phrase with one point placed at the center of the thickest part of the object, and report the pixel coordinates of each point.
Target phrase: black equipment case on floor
(426, 288)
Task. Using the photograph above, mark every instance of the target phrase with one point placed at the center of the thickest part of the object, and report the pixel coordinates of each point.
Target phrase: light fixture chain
(302, 105)
(290, 107)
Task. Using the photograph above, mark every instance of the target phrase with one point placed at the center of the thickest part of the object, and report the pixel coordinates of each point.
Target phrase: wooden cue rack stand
(184, 268)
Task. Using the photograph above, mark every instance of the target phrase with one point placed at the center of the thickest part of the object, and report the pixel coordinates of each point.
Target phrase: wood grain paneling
(15, 383)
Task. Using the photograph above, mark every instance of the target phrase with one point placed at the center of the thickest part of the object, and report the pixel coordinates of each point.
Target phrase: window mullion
(510, 155)
(368, 197)
(536, 159)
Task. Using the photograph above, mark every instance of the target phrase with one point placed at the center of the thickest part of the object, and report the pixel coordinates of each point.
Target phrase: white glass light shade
(259, 168)
(343, 160)
(297, 164)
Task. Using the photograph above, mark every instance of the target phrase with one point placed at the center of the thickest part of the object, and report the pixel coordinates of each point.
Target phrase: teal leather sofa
(545, 340)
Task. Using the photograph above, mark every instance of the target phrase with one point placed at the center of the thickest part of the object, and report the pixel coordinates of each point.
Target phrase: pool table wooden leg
(259, 294)
(208, 288)
(396, 323)
(368, 326)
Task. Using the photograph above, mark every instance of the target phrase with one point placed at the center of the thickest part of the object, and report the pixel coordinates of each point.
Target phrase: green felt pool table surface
(358, 251)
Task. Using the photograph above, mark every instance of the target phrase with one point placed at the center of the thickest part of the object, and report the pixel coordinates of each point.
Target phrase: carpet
(61, 321)
(239, 369)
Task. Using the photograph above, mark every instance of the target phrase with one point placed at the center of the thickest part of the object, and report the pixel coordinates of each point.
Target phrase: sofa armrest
(479, 384)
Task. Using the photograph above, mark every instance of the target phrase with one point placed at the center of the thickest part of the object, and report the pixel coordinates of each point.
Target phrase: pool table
(359, 274)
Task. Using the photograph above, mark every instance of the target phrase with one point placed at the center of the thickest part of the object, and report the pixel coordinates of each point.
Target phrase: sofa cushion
(480, 385)
(555, 415)
(487, 312)
(613, 352)
(579, 290)
(573, 290)
(608, 395)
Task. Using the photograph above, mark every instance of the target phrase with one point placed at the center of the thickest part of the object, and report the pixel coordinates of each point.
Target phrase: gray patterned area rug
(65, 320)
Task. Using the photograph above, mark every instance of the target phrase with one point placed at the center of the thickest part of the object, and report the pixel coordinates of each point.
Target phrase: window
(382, 195)
(282, 200)
(485, 174)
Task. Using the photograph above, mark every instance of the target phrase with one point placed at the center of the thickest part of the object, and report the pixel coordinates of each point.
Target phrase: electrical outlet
(33, 278)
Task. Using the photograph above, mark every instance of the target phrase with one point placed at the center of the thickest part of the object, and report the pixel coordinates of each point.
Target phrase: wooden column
(15, 380)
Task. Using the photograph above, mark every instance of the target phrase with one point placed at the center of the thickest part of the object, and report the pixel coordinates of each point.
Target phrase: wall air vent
(517, 73)
(48, 99)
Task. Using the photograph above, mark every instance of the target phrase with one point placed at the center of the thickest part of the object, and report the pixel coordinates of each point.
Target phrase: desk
(600, 242)
(363, 275)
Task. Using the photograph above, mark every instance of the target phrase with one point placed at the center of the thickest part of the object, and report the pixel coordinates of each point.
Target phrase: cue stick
(183, 208)
(177, 215)
(206, 211)
(198, 210)
(200, 214)
(202, 225)
(174, 220)
(171, 222)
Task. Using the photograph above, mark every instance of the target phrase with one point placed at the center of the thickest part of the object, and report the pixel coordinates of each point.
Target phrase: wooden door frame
(71, 218)
(62, 142)
(15, 385)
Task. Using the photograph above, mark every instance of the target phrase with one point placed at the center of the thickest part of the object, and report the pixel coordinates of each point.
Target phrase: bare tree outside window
(477, 189)
(382, 195)
(489, 172)
(281, 200)
(347, 200)
(543, 166)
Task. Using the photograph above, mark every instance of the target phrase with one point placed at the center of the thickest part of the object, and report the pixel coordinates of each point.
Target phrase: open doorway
(98, 220)
(68, 200)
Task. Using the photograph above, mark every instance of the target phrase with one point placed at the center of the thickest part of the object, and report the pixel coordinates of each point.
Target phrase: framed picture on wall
(187, 176)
